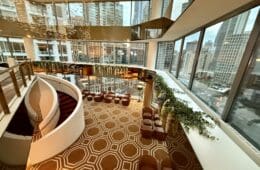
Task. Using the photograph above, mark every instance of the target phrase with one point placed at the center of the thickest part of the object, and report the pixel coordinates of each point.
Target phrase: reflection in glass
(187, 58)
(8, 10)
(245, 112)
(76, 13)
(164, 55)
(4, 49)
(221, 52)
(62, 12)
(36, 13)
(108, 50)
(179, 6)
(137, 53)
(176, 53)
(51, 20)
(121, 53)
(140, 12)
(94, 52)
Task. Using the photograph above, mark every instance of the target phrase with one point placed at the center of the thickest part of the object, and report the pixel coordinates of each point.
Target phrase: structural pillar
(156, 9)
(29, 48)
(148, 93)
(151, 55)
(168, 11)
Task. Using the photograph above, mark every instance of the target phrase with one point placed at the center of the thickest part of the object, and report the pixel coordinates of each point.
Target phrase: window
(221, 52)
(9, 9)
(3, 45)
(76, 13)
(62, 12)
(187, 58)
(50, 9)
(244, 115)
(164, 55)
(121, 53)
(140, 12)
(137, 53)
(179, 6)
(176, 54)
(94, 52)
(43, 48)
(17, 47)
(108, 52)
(62, 49)
(36, 13)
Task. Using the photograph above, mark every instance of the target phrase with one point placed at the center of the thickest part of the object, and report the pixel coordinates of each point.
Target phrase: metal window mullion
(180, 57)
(196, 57)
(156, 59)
(243, 66)
(10, 47)
(69, 13)
(170, 69)
(61, 50)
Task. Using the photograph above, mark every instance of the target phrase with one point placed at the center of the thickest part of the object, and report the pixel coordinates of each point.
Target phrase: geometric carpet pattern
(112, 140)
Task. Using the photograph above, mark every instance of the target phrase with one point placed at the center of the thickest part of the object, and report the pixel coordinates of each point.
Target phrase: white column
(29, 48)
(148, 93)
(151, 55)
(168, 11)
(156, 9)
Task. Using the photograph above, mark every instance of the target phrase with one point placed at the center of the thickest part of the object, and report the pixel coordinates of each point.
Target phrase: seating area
(107, 97)
(151, 125)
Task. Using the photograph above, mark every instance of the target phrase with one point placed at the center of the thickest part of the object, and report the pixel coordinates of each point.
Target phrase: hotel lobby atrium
(129, 84)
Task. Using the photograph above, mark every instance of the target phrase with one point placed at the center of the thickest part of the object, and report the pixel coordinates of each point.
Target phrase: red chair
(125, 102)
(147, 162)
(146, 131)
(159, 133)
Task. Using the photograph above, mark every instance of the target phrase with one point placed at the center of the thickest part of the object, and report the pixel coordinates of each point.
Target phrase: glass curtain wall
(4, 49)
(140, 11)
(121, 13)
(187, 58)
(76, 14)
(121, 53)
(62, 13)
(245, 115)
(8, 10)
(175, 58)
(36, 13)
(137, 53)
(222, 49)
(164, 55)
(179, 6)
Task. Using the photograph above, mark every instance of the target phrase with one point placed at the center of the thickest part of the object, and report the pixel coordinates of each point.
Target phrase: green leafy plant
(183, 113)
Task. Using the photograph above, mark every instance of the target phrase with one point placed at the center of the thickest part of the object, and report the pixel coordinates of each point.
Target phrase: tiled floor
(112, 140)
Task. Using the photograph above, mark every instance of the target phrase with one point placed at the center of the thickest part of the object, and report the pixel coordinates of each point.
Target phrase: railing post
(3, 101)
(16, 87)
(28, 71)
(31, 67)
(22, 75)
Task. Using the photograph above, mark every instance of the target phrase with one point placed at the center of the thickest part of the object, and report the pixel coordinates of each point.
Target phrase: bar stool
(116, 100)
(89, 97)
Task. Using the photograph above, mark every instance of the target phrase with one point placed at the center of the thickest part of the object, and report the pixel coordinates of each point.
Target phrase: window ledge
(223, 153)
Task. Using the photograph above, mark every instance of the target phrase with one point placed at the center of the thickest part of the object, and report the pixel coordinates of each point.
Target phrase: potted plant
(174, 111)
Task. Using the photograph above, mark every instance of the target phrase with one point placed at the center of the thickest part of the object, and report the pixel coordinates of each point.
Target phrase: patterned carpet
(112, 140)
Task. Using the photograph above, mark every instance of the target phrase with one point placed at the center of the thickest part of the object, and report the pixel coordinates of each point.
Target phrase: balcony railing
(11, 82)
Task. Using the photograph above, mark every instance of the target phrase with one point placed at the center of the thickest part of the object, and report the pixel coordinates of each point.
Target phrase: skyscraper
(230, 42)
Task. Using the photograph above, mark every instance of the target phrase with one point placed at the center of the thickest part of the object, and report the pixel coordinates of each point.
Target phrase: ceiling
(64, 1)
(204, 12)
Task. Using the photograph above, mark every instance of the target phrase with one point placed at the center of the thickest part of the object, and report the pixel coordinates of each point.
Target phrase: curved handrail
(51, 117)
(67, 132)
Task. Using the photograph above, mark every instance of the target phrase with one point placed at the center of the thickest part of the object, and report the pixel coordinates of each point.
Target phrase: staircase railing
(12, 80)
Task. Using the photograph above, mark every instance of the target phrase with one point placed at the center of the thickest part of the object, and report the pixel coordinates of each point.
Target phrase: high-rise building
(106, 14)
(230, 41)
